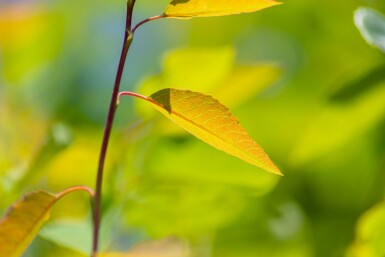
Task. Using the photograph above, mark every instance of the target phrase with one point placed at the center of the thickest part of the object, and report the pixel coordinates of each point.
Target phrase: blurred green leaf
(336, 124)
(198, 163)
(245, 82)
(206, 8)
(74, 235)
(370, 234)
(371, 24)
(182, 209)
(198, 69)
(59, 137)
(212, 70)
(359, 86)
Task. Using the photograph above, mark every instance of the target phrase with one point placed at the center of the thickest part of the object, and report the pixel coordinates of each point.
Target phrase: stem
(133, 94)
(108, 126)
(76, 188)
(148, 20)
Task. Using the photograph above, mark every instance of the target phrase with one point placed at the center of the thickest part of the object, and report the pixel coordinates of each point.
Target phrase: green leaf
(338, 123)
(370, 235)
(25, 218)
(354, 89)
(74, 234)
(207, 8)
(215, 168)
(371, 24)
(247, 81)
(213, 123)
(221, 205)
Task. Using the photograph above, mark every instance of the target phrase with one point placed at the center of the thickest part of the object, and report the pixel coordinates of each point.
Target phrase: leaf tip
(275, 170)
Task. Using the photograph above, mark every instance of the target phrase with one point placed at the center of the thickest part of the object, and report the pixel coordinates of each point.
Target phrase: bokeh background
(299, 77)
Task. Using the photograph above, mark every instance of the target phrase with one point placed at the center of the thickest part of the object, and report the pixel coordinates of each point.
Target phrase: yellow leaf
(207, 8)
(213, 123)
(24, 219)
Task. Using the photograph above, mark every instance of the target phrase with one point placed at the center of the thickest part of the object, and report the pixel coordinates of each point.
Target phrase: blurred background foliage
(300, 78)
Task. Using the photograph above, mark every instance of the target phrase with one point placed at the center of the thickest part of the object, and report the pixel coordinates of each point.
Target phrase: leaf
(75, 235)
(207, 8)
(370, 233)
(23, 222)
(251, 80)
(371, 24)
(210, 121)
(339, 123)
(170, 247)
(221, 205)
(354, 89)
(24, 219)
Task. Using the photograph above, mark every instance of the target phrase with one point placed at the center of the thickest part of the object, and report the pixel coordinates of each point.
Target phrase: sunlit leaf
(371, 24)
(213, 123)
(24, 219)
(210, 70)
(206, 8)
(170, 247)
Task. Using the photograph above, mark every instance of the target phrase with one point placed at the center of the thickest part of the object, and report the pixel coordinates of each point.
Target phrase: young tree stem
(107, 130)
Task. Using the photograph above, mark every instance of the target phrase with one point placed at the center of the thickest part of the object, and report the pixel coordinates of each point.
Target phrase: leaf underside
(210, 121)
(207, 8)
(371, 24)
(23, 221)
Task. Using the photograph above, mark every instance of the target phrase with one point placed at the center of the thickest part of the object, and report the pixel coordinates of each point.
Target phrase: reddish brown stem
(108, 127)
(148, 20)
